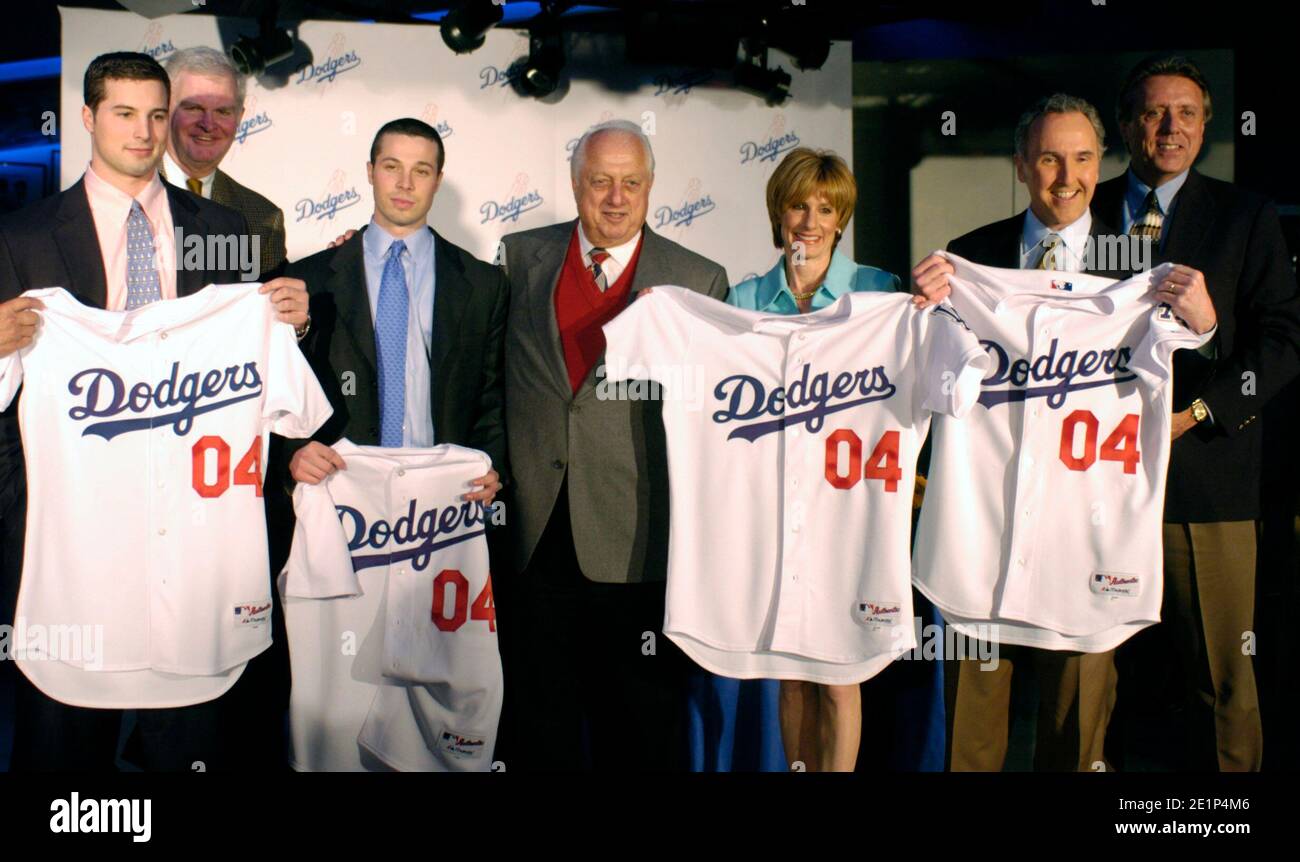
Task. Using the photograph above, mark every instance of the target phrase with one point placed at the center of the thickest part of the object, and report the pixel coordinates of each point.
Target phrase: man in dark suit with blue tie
(84, 240)
(408, 330)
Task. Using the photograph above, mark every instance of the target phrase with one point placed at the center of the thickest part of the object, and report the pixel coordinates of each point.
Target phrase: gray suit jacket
(612, 451)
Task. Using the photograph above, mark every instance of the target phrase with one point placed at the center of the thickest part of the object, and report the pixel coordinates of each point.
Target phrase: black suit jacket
(52, 243)
(1234, 237)
(468, 347)
(998, 244)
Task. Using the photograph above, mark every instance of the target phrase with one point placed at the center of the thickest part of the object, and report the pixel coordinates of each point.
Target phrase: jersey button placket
(790, 596)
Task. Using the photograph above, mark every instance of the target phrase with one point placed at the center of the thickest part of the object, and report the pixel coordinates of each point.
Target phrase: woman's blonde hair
(803, 173)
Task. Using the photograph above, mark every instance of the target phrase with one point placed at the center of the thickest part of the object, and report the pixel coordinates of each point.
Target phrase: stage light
(540, 74)
(465, 27)
(752, 74)
(251, 55)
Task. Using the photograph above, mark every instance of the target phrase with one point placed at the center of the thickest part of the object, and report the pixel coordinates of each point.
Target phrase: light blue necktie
(142, 285)
(390, 346)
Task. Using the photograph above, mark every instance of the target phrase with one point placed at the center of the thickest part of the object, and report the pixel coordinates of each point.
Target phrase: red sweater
(581, 309)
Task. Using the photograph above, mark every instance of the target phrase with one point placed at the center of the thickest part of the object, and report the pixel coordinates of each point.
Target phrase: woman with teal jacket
(810, 198)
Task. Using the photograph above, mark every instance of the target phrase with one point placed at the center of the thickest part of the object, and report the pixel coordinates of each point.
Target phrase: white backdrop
(304, 141)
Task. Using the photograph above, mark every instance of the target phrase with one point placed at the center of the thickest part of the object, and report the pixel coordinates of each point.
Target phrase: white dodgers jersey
(1041, 521)
(145, 579)
(792, 445)
(392, 627)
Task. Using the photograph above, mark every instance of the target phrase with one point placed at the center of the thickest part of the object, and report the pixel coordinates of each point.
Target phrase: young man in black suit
(77, 240)
(454, 323)
(1232, 254)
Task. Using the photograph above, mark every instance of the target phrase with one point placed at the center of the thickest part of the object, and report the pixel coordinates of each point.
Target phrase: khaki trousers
(1209, 608)
(1076, 697)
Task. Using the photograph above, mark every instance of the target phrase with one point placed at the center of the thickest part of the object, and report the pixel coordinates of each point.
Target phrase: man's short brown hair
(128, 65)
(1149, 68)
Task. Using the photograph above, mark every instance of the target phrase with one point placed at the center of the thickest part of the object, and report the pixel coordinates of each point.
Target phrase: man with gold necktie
(1230, 249)
(207, 104)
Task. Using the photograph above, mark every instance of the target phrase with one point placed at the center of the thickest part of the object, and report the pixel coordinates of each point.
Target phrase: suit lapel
(185, 217)
(347, 285)
(1192, 219)
(78, 244)
(548, 264)
(1006, 250)
(450, 296)
(223, 191)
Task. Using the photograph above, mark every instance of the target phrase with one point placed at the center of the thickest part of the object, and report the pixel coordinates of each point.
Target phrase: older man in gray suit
(590, 679)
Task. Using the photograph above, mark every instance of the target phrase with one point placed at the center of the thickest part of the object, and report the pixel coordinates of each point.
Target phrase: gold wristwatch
(1199, 411)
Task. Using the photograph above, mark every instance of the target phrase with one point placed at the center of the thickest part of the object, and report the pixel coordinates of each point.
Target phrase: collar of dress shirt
(621, 253)
(177, 176)
(112, 203)
(1165, 194)
(376, 241)
(774, 294)
(1074, 234)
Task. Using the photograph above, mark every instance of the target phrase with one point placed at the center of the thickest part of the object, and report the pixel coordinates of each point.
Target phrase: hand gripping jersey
(392, 628)
(792, 444)
(145, 573)
(1042, 513)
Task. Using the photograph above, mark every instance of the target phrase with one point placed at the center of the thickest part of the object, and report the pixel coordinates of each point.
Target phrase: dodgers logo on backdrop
(336, 62)
(104, 394)
(253, 125)
(430, 116)
(495, 76)
(747, 399)
(681, 83)
(778, 140)
(154, 43)
(693, 206)
(520, 200)
(327, 205)
(413, 536)
(1060, 372)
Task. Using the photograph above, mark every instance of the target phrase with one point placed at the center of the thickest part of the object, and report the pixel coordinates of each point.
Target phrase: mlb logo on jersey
(879, 613)
(252, 614)
(460, 745)
(1062, 285)
(1108, 584)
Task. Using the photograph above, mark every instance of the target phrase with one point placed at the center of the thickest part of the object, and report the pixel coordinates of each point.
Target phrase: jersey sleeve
(647, 339)
(320, 563)
(952, 362)
(1152, 359)
(295, 405)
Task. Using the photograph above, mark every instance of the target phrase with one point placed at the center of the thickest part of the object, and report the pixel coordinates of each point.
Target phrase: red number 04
(482, 609)
(1121, 445)
(247, 472)
(881, 464)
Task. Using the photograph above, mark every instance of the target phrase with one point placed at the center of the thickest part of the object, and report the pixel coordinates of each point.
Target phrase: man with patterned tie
(110, 241)
(1232, 261)
(207, 105)
(581, 607)
(408, 330)
(1058, 148)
